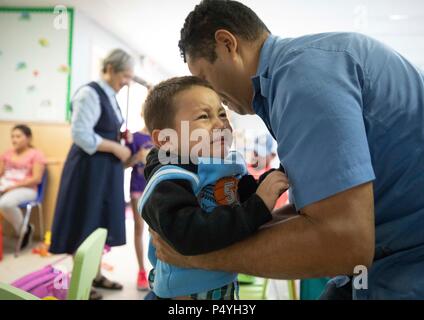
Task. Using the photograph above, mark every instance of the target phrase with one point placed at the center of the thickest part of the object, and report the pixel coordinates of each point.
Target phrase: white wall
(90, 39)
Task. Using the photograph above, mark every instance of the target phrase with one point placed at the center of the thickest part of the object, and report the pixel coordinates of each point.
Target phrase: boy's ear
(155, 137)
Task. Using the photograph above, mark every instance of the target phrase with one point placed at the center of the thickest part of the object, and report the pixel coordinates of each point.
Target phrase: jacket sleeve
(246, 187)
(172, 210)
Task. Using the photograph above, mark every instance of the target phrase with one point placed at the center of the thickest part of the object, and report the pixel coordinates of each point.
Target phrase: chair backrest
(8, 292)
(86, 265)
(42, 187)
(255, 291)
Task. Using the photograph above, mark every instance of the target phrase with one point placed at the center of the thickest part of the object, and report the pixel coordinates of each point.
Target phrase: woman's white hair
(119, 60)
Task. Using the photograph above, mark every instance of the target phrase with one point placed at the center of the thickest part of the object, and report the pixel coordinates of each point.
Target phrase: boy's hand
(272, 187)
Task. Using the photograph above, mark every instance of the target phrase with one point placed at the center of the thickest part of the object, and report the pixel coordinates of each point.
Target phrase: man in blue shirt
(348, 115)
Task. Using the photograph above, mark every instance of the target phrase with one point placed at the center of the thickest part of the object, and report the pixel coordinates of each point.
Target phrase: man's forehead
(197, 66)
(209, 98)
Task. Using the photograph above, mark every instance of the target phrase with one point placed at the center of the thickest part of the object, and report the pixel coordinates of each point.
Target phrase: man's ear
(225, 39)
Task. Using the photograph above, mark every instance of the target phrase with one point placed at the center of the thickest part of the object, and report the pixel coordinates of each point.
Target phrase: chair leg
(41, 220)
(264, 289)
(292, 289)
(23, 229)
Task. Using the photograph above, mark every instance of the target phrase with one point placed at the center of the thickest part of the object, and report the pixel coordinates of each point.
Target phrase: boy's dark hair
(158, 106)
(198, 33)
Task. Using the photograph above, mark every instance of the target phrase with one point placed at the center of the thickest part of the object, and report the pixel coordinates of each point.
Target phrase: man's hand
(272, 187)
(166, 253)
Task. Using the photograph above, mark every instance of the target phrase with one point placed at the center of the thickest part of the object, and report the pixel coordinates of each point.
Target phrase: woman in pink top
(21, 170)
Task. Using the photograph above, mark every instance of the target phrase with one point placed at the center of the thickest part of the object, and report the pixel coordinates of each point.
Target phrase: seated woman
(21, 170)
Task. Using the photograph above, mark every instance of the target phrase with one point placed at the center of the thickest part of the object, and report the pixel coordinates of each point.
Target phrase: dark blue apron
(91, 193)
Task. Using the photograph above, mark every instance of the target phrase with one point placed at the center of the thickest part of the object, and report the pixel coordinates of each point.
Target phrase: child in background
(264, 152)
(201, 205)
(21, 170)
(140, 145)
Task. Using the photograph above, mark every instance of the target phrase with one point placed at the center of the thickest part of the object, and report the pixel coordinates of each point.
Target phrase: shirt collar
(107, 88)
(260, 81)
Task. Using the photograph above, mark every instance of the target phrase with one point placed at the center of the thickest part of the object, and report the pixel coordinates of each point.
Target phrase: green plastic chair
(8, 292)
(86, 265)
(254, 291)
(245, 279)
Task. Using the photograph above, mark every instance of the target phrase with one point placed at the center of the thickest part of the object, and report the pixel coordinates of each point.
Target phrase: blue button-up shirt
(86, 111)
(346, 110)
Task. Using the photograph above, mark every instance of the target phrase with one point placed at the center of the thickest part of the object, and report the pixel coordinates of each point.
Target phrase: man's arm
(327, 238)
(281, 214)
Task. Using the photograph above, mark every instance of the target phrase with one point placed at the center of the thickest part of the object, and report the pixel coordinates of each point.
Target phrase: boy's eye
(223, 115)
(203, 116)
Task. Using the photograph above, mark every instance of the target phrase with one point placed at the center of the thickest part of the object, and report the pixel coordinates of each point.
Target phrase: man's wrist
(202, 261)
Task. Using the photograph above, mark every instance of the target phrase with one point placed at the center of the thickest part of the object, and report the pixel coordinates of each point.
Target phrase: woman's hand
(122, 153)
(8, 189)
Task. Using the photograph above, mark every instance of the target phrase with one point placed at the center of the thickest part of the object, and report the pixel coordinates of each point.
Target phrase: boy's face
(201, 123)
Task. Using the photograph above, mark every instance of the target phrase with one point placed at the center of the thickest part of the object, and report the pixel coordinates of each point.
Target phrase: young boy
(200, 205)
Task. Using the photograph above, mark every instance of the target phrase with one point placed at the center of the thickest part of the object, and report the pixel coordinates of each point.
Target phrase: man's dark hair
(198, 33)
(158, 108)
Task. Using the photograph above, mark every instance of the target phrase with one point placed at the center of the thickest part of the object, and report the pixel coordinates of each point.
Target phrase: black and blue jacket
(198, 209)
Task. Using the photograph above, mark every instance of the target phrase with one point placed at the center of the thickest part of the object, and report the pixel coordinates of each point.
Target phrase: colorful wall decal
(32, 88)
(8, 108)
(43, 42)
(63, 68)
(46, 103)
(25, 16)
(21, 65)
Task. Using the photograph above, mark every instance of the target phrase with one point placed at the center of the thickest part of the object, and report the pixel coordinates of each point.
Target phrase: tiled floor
(119, 264)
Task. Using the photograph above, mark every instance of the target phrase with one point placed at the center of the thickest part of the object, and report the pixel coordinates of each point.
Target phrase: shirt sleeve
(246, 187)
(5, 156)
(190, 230)
(317, 117)
(39, 157)
(86, 113)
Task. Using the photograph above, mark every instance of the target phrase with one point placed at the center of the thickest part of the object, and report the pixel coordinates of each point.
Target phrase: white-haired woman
(91, 191)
